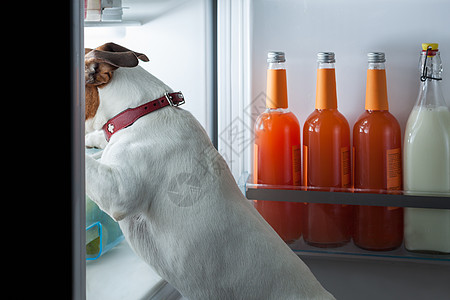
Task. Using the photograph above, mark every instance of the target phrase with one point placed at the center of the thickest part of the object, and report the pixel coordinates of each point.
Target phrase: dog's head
(99, 66)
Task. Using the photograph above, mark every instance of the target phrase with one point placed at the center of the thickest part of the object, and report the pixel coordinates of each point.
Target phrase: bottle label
(353, 165)
(376, 91)
(305, 165)
(393, 169)
(326, 89)
(296, 165)
(345, 167)
(276, 89)
(255, 164)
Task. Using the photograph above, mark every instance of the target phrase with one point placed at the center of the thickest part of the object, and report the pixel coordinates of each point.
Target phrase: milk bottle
(427, 159)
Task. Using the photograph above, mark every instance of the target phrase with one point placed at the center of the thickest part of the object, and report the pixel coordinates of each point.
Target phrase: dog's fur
(175, 198)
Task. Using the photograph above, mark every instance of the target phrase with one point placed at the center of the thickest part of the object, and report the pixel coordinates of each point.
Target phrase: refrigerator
(215, 53)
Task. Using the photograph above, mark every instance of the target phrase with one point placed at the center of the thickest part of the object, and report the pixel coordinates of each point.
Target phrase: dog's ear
(100, 63)
(127, 58)
(114, 55)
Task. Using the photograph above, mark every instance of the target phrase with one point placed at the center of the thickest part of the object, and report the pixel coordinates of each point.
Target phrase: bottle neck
(276, 93)
(430, 66)
(326, 97)
(430, 93)
(376, 89)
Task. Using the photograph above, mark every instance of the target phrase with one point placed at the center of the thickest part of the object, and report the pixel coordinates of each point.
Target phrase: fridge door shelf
(304, 194)
(347, 196)
(350, 251)
(111, 23)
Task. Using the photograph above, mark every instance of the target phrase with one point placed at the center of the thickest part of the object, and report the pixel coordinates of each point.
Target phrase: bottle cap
(376, 57)
(434, 46)
(326, 57)
(276, 57)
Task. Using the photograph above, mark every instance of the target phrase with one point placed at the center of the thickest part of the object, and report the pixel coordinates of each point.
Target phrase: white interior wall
(351, 29)
(176, 37)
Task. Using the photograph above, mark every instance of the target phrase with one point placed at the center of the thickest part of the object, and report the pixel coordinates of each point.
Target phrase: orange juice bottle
(277, 152)
(377, 163)
(326, 161)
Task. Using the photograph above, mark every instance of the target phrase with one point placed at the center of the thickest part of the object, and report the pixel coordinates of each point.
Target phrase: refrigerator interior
(178, 38)
(248, 30)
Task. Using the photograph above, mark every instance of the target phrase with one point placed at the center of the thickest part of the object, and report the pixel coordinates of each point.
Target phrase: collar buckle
(176, 103)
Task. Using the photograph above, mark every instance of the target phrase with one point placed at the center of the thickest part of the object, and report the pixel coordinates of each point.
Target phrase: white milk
(427, 169)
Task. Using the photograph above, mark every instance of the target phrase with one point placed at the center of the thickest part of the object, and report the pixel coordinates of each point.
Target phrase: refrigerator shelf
(111, 23)
(350, 250)
(350, 197)
(347, 196)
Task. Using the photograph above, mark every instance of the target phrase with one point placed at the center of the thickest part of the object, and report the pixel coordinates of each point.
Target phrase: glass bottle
(326, 161)
(427, 158)
(377, 163)
(277, 158)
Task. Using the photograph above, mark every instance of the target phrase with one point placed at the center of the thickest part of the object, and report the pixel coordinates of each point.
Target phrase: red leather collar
(130, 115)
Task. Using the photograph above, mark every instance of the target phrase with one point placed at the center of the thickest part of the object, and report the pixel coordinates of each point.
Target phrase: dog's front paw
(95, 139)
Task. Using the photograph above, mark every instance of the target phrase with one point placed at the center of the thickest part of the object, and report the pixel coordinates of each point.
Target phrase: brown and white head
(99, 66)
(115, 82)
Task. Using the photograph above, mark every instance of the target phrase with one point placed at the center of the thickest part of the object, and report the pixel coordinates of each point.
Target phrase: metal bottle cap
(326, 57)
(376, 57)
(276, 57)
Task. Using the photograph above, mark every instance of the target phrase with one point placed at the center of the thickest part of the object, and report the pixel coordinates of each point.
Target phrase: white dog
(173, 195)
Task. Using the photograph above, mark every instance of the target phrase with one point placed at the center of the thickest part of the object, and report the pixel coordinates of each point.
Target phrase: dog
(173, 195)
